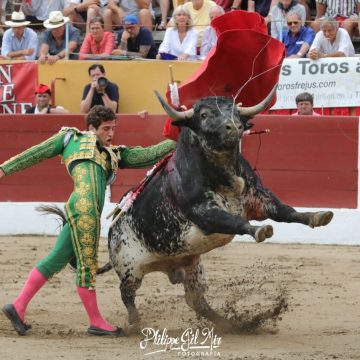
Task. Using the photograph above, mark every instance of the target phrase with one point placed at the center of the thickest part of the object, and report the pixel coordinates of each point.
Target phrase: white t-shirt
(342, 43)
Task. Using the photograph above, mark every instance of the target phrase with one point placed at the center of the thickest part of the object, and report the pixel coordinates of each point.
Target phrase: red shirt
(89, 46)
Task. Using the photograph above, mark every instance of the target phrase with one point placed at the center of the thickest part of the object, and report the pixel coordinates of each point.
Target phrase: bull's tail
(52, 210)
(104, 269)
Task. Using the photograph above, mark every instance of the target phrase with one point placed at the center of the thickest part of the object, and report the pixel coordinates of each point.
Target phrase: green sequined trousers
(80, 236)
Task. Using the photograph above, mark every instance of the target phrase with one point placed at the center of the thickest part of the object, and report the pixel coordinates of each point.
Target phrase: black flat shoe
(11, 313)
(93, 330)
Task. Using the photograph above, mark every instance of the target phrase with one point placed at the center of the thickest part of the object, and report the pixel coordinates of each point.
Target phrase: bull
(204, 196)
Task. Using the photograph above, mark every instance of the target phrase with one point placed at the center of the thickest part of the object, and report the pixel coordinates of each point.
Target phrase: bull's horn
(176, 115)
(256, 109)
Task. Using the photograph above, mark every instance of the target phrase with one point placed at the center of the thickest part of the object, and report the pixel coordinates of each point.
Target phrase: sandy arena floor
(322, 320)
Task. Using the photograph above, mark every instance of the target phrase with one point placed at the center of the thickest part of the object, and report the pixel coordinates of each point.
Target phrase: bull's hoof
(131, 329)
(176, 276)
(321, 218)
(263, 232)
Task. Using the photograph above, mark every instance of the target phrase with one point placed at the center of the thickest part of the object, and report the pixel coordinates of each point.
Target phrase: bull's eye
(203, 115)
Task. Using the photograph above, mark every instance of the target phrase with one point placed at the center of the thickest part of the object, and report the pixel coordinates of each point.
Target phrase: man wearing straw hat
(52, 40)
(19, 42)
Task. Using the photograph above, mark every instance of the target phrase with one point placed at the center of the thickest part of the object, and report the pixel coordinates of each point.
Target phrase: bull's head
(218, 120)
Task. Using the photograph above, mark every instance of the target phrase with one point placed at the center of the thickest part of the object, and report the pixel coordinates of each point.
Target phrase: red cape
(245, 64)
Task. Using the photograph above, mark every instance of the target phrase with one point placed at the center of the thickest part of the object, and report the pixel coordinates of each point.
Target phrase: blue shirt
(47, 37)
(144, 38)
(11, 43)
(294, 43)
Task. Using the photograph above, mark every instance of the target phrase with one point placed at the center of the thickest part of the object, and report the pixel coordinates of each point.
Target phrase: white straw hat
(17, 20)
(55, 20)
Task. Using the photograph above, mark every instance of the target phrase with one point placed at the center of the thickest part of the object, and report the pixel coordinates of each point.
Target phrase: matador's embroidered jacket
(75, 145)
(84, 206)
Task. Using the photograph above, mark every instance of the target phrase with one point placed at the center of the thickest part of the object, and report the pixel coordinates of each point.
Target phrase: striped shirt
(344, 8)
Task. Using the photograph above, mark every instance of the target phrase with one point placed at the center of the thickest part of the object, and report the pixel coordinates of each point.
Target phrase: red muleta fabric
(245, 64)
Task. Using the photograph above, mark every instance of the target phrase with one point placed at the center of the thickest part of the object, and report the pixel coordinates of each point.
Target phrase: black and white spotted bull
(204, 196)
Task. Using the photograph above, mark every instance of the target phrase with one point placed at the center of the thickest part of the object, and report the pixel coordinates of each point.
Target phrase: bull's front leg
(212, 219)
(285, 213)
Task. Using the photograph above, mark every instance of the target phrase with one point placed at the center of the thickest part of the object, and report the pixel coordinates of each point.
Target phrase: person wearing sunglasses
(297, 38)
(278, 14)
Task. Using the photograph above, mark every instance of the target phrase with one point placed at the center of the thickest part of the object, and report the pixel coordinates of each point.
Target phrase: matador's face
(105, 132)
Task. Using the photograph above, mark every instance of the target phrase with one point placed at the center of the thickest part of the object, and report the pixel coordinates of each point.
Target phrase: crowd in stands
(88, 29)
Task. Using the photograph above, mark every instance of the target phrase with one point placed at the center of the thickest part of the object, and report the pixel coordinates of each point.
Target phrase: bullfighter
(92, 162)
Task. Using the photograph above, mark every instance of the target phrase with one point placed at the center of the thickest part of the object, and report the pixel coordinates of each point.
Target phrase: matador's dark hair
(97, 115)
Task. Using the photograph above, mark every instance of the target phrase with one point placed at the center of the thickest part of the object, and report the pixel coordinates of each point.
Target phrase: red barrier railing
(306, 161)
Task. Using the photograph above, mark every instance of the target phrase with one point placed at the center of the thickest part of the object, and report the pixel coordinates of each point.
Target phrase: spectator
(118, 9)
(3, 4)
(199, 12)
(135, 40)
(93, 10)
(37, 11)
(331, 41)
(298, 38)
(262, 7)
(92, 161)
(84, 10)
(164, 6)
(304, 104)
(43, 106)
(227, 5)
(19, 42)
(308, 5)
(97, 42)
(181, 38)
(52, 41)
(278, 13)
(77, 11)
(209, 37)
(106, 93)
(345, 12)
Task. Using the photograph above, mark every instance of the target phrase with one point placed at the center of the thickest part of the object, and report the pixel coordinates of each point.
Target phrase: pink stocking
(33, 284)
(88, 298)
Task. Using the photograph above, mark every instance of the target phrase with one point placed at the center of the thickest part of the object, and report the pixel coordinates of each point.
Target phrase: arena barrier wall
(309, 162)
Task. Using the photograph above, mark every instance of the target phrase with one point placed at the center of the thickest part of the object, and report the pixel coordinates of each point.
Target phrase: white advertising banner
(334, 82)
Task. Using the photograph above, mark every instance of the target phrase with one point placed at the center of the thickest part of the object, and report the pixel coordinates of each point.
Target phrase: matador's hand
(2, 174)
